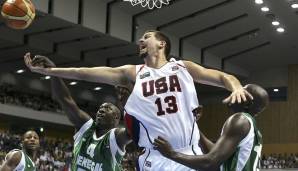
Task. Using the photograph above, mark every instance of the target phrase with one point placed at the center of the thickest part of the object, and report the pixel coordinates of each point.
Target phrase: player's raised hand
(34, 68)
(164, 147)
(39, 60)
(239, 95)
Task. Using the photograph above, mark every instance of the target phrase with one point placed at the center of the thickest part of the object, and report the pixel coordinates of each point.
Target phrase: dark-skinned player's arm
(205, 144)
(12, 160)
(235, 129)
(121, 133)
(62, 94)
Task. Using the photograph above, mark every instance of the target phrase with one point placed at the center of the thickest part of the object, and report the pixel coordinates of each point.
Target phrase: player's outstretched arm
(236, 128)
(62, 94)
(11, 161)
(220, 79)
(114, 76)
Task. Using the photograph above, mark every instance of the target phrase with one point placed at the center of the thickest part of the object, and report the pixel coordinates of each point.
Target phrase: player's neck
(100, 131)
(31, 153)
(156, 61)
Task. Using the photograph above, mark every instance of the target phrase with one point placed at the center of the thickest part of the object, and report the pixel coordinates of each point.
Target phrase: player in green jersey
(22, 160)
(240, 144)
(98, 144)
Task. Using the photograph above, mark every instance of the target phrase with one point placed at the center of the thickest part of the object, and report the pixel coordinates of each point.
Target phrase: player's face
(148, 45)
(31, 140)
(106, 115)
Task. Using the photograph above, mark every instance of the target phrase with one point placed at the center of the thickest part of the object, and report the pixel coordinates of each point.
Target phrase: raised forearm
(87, 74)
(62, 94)
(106, 75)
(59, 89)
(230, 82)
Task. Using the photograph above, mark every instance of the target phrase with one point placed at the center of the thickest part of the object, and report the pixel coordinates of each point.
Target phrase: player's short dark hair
(28, 130)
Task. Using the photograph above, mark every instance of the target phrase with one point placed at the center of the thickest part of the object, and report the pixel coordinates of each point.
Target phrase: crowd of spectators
(279, 161)
(10, 94)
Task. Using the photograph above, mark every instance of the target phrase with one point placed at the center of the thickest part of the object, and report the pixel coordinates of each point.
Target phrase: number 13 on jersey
(170, 104)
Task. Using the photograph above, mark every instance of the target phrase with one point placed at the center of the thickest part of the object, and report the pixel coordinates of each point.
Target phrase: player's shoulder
(238, 123)
(121, 135)
(119, 131)
(190, 64)
(129, 71)
(239, 116)
(14, 157)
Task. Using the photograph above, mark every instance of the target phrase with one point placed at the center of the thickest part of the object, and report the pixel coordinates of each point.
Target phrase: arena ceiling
(236, 31)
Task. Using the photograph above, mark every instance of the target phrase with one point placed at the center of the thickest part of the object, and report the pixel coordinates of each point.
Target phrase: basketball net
(149, 3)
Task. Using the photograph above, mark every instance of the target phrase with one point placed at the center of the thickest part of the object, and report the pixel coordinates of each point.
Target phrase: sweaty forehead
(30, 133)
(148, 33)
(108, 105)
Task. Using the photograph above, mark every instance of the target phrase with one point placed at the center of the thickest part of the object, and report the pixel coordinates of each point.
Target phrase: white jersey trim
(114, 146)
(246, 147)
(251, 130)
(78, 136)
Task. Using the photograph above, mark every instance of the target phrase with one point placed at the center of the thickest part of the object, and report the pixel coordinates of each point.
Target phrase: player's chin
(33, 147)
(99, 121)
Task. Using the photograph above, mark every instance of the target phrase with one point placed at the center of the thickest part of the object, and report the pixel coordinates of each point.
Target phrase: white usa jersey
(163, 103)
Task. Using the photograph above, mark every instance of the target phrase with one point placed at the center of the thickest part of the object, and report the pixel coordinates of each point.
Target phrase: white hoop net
(149, 3)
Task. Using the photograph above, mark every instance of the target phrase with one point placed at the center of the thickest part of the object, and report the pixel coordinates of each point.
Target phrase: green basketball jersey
(247, 155)
(26, 164)
(95, 154)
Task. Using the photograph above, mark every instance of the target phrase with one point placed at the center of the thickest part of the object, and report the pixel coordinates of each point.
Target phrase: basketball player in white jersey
(163, 97)
(239, 146)
(23, 160)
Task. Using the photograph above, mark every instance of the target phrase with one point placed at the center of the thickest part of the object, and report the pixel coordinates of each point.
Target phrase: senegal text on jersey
(88, 164)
